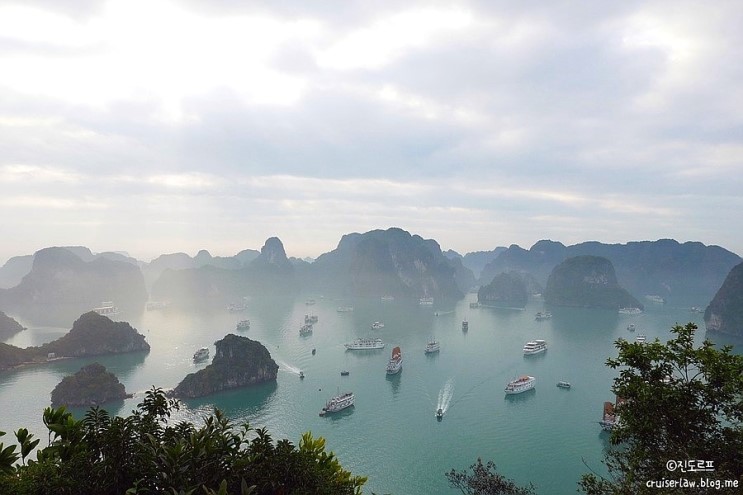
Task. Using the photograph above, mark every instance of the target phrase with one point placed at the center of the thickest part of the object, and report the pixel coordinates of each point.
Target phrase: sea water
(547, 436)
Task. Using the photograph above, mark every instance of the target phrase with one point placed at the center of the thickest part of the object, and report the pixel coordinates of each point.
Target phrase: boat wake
(287, 367)
(445, 395)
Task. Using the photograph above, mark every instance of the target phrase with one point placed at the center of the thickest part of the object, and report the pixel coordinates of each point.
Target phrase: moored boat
(425, 301)
(345, 373)
(310, 319)
(305, 330)
(465, 325)
(364, 344)
(562, 384)
(395, 363)
(535, 347)
(631, 327)
(630, 311)
(641, 339)
(338, 403)
(243, 325)
(433, 346)
(377, 325)
(543, 316)
(344, 309)
(107, 308)
(520, 384)
(655, 298)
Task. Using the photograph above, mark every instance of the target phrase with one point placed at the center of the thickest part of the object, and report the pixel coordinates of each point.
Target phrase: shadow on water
(394, 381)
(342, 414)
(520, 398)
(721, 339)
(249, 400)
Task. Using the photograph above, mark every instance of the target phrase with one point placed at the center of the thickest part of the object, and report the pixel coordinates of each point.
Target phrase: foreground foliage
(484, 480)
(678, 403)
(144, 454)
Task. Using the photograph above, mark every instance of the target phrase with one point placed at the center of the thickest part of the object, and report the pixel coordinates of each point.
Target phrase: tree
(144, 454)
(484, 480)
(675, 403)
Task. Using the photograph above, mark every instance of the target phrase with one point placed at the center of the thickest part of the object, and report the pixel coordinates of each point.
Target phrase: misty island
(93, 385)
(238, 362)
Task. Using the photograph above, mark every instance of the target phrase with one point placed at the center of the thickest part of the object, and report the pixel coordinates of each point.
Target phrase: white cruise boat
(641, 339)
(310, 319)
(338, 403)
(426, 301)
(630, 311)
(395, 364)
(433, 346)
(543, 316)
(107, 308)
(344, 309)
(655, 298)
(377, 325)
(521, 384)
(201, 354)
(364, 344)
(535, 347)
(243, 325)
(388, 298)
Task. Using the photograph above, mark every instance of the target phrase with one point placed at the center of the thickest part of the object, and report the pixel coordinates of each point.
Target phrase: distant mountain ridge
(665, 267)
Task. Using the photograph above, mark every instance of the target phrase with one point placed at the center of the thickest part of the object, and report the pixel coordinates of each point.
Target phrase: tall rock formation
(238, 362)
(587, 282)
(93, 385)
(725, 313)
(508, 289)
(8, 326)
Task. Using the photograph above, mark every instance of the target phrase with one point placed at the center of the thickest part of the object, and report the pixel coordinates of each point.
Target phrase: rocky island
(508, 289)
(587, 282)
(91, 335)
(91, 386)
(8, 326)
(725, 313)
(238, 362)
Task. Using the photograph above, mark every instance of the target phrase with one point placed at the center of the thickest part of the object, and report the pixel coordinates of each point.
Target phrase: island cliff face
(725, 313)
(91, 386)
(507, 289)
(587, 282)
(238, 362)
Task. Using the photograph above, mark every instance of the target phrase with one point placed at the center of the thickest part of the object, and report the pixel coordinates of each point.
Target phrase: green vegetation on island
(8, 326)
(508, 289)
(144, 454)
(91, 386)
(587, 282)
(238, 362)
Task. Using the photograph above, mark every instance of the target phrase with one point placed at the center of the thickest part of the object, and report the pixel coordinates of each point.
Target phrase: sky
(159, 126)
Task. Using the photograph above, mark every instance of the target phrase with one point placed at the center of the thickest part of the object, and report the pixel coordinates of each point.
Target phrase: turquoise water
(391, 435)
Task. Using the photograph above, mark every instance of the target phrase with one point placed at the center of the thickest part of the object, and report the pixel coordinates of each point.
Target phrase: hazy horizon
(160, 126)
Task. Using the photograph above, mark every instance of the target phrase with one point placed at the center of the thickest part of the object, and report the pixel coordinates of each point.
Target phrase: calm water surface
(391, 435)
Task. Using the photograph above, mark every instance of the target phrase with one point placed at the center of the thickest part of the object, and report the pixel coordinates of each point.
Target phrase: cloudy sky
(161, 126)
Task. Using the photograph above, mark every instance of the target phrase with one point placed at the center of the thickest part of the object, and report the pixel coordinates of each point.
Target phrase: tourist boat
(309, 302)
(345, 373)
(345, 309)
(610, 418)
(543, 316)
(314, 351)
(201, 354)
(338, 403)
(474, 305)
(655, 299)
(521, 384)
(433, 346)
(107, 308)
(364, 344)
(236, 308)
(695, 309)
(440, 414)
(305, 330)
(641, 339)
(243, 325)
(630, 311)
(426, 301)
(301, 375)
(395, 363)
(377, 325)
(310, 319)
(388, 298)
(465, 326)
(157, 305)
(631, 327)
(535, 347)
(562, 384)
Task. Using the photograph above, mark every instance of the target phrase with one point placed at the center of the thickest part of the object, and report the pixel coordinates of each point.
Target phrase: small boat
(243, 325)
(440, 414)
(107, 308)
(236, 308)
(695, 309)
(301, 375)
(395, 363)
(543, 316)
(377, 325)
(433, 346)
(305, 329)
(474, 305)
(535, 347)
(201, 354)
(655, 298)
(364, 344)
(338, 403)
(641, 339)
(388, 298)
(309, 302)
(345, 373)
(610, 417)
(426, 301)
(520, 384)
(630, 311)
(631, 327)
(465, 326)
(344, 309)
(562, 384)
(310, 319)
